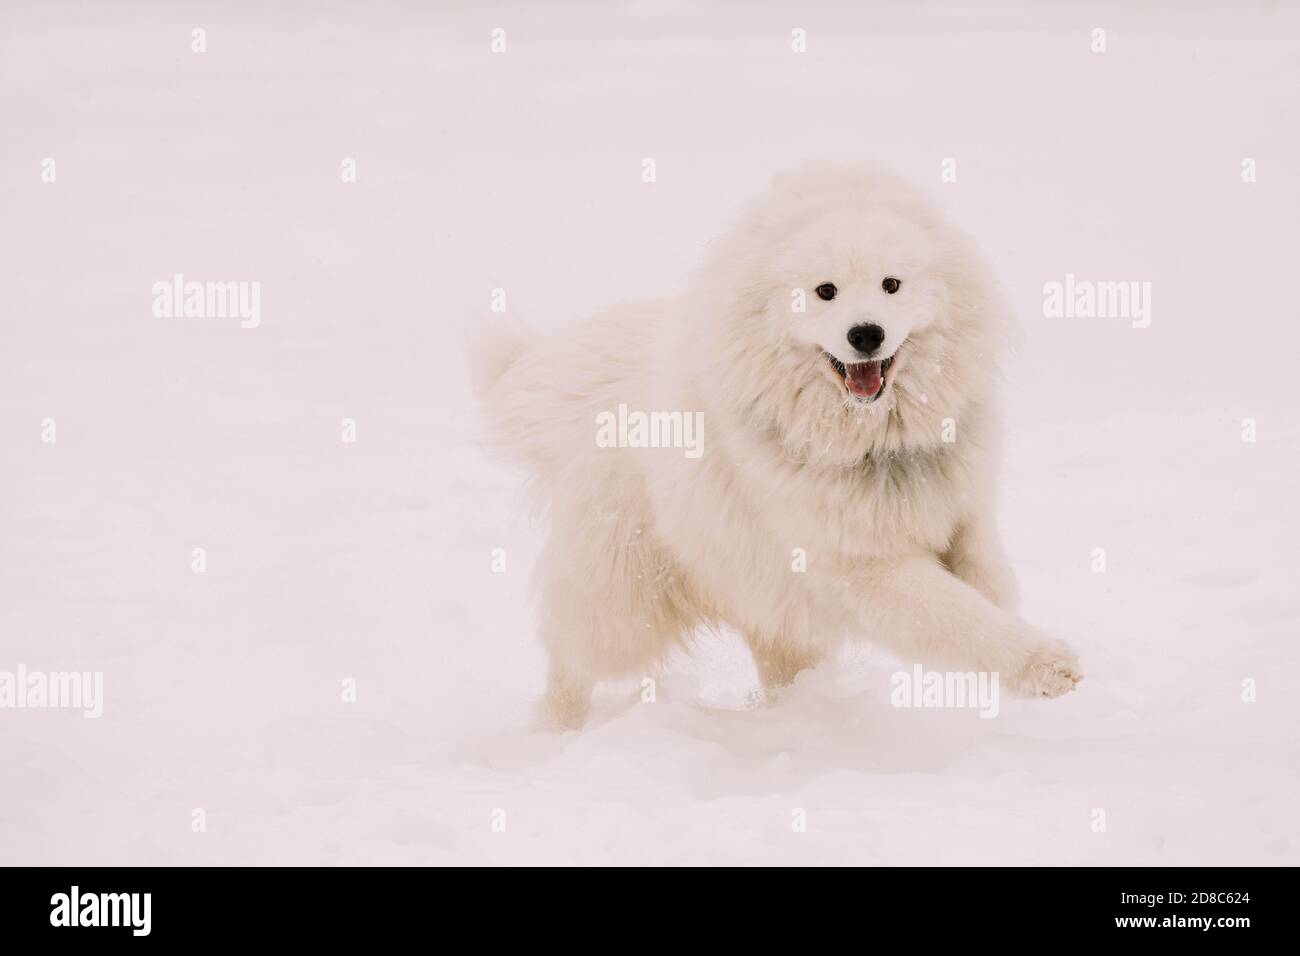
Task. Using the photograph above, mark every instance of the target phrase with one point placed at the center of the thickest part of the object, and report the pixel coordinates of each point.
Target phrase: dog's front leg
(923, 613)
(976, 556)
(779, 661)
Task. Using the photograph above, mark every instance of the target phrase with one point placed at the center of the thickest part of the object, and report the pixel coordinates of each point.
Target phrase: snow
(371, 561)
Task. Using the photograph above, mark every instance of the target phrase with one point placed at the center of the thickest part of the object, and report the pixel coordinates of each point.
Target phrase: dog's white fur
(893, 522)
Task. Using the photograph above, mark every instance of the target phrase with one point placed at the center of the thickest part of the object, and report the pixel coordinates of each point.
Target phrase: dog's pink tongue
(863, 379)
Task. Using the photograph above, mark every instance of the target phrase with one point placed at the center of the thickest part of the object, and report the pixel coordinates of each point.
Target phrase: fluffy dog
(840, 349)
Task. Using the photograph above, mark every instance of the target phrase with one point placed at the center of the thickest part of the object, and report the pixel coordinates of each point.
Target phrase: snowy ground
(370, 561)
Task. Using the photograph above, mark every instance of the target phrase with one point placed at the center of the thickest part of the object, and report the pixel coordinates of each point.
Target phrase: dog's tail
(516, 393)
(493, 350)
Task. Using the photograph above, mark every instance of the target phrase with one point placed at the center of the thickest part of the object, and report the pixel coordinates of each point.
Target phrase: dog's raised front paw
(1051, 671)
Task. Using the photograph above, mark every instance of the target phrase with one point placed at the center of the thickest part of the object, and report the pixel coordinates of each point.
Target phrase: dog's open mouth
(865, 381)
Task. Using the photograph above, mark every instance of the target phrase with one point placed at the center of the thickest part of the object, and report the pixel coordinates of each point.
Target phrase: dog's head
(850, 318)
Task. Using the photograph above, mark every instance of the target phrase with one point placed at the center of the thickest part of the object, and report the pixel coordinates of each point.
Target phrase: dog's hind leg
(568, 698)
(612, 608)
(591, 647)
(572, 645)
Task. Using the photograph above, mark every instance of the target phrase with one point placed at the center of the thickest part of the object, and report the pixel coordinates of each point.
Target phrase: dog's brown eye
(890, 284)
(826, 291)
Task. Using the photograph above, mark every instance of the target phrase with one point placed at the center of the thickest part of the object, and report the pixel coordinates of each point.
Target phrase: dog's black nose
(866, 338)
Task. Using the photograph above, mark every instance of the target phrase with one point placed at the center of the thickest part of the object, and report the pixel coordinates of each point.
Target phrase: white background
(521, 170)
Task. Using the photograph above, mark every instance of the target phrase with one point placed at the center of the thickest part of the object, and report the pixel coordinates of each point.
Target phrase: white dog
(839, 349)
